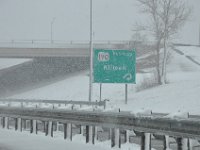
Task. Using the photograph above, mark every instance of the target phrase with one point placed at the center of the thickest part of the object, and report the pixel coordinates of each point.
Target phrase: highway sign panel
(114, 66)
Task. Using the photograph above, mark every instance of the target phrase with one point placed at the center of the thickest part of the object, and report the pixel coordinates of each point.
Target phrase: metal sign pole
(100, 90)
(199, 34)
(91, 54)
(126, 93)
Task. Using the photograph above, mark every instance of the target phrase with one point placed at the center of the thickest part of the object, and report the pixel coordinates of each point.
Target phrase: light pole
(53, 20)
(199, 34)
(91, 54)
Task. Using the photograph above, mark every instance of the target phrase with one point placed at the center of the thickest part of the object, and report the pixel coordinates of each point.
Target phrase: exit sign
(114, 66)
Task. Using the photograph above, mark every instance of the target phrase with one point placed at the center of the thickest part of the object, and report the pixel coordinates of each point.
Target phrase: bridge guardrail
(65, 102)
(178, 128)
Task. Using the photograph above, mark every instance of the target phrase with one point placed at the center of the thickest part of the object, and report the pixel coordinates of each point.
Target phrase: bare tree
(166, 18)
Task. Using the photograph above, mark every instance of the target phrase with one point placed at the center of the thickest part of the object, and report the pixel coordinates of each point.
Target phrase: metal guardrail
(97, 103)
(179, 128)
(187, 128)
(61, 44)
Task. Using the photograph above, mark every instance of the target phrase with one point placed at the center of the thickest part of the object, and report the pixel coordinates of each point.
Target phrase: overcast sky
(113, 20)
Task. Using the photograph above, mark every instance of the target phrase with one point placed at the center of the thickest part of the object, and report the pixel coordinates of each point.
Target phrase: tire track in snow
(188, 57)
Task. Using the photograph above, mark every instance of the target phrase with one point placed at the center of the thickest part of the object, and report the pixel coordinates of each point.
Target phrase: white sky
(113, 20)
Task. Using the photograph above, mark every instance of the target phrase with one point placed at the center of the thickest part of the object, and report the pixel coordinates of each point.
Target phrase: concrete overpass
(36, 48)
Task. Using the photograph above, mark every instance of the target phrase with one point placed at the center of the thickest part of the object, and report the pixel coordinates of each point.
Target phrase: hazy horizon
(112, 20)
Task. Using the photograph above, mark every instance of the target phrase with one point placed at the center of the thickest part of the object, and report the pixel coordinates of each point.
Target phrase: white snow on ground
(181, 94)
(5, 62)
(25, 141)
(192, 51)
(76, 88)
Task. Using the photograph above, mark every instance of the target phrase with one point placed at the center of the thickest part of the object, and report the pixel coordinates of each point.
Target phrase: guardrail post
(87, 134)
(117, 138)
(50, 129)
(69, 131)
(6, 122)
(31, 126)
(90, 134)
(95, 134)
(183, 144)
(35, 126)
(179, 143)
(57, 126)
(165, 142)
(142, 141)
(112, 136)
(22, 105)
(91, 137)
(145, 141)
(46, 127)
(24, 123)
(19, 124)
(126, 136)
(3, 122)
(190, 144)
(82, 129)
(104, 104)
(65, 130)
(15, 120)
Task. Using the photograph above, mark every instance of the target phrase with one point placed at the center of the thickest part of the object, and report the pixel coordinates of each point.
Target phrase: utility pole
(53, 20)
(91, 54)
(199, 34)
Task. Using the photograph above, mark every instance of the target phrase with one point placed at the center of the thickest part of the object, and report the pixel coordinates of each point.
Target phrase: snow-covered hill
(180, 94)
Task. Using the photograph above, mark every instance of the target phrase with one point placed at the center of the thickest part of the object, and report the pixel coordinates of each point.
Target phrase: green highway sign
(114, 66)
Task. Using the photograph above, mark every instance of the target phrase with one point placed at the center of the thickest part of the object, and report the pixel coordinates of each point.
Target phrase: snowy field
(14, 140)
(191, 51)
(181, 94)
(25, 141)
(5, 62)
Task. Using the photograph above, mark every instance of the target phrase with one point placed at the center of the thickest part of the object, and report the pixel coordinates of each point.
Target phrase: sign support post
(91, 54)
(100, 91)
(114, 66)
(126, 93)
